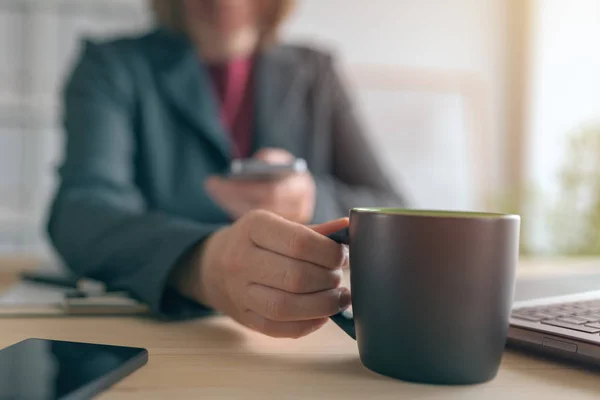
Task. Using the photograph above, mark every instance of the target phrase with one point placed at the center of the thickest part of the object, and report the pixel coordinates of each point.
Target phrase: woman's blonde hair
(169, 14)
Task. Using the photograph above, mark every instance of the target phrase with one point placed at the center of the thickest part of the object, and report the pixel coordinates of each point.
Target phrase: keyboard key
(585, 315)
(560, 315)
(522, 311)
(573, 320)
(552, 312)
(580, 328)
(587, 318)
(547, 316)
(525, 317)
(563, 314)
(593, 325)
(569, 307)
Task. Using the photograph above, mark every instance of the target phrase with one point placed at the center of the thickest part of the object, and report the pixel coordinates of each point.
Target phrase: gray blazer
(143, 133)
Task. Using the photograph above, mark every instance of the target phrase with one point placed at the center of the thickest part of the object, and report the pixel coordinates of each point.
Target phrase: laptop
(558, 316)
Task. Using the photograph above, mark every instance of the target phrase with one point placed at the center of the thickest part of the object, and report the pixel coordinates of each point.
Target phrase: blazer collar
(186, 84)
(277, 82)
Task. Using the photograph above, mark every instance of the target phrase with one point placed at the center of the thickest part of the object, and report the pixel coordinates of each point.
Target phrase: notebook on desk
(29, 299)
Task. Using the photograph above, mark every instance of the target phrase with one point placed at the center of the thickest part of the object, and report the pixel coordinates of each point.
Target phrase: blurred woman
(152, 122)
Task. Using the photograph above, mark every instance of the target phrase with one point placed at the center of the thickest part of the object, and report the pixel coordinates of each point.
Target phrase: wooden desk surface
(215, 358)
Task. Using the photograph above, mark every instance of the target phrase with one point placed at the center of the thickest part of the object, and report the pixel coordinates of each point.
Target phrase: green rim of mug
(434, 213)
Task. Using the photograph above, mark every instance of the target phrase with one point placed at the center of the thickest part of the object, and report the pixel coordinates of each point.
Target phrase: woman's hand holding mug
(275, 276)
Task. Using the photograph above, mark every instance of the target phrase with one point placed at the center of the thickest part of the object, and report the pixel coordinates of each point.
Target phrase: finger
(332, 226)
(212, 182)
(216, 189)
(277, 329)
(221, 187)
(230, 192)
(251, 191)
(290, 275)
(235, 206)
(287, 238)
(274, 156)
(278, 305)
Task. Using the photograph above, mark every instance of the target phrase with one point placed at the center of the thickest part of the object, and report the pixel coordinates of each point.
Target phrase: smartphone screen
(47, 369)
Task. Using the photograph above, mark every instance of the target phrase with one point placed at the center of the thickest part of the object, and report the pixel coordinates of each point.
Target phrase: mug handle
(343, 319)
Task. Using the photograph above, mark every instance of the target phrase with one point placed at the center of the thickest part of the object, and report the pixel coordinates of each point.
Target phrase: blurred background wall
(38, 42)
(469, 102)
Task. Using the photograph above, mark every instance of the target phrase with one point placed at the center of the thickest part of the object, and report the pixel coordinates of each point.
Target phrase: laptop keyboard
(581, 316)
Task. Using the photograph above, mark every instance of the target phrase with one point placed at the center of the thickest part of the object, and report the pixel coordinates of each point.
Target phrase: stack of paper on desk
(32, 299)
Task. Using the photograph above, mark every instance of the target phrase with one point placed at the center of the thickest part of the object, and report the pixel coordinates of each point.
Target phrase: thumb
(332, 226)
(274, 156)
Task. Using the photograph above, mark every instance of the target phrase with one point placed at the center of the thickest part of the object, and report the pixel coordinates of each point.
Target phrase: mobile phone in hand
(252, 169)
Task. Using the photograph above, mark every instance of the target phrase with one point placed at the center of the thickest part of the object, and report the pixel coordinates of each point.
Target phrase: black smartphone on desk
(252, 169)
(39, 369)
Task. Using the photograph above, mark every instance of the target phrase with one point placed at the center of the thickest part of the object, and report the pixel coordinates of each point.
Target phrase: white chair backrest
(430, 129)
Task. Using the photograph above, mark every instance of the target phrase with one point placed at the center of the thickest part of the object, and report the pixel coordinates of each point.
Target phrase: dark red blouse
(233, 84)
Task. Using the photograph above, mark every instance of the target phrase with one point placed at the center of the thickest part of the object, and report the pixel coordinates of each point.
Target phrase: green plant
(575, 220)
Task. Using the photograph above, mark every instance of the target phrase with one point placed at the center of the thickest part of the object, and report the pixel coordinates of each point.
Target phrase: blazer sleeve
(357, 178)
(99, 222)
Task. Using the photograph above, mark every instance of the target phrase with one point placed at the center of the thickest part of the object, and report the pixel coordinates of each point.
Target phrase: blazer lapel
(186, 84)
(278, 82)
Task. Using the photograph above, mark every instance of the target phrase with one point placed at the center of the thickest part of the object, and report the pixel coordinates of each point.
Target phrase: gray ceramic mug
(431, 292)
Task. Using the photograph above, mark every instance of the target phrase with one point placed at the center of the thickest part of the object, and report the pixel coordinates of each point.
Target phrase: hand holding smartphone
(275, 182)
